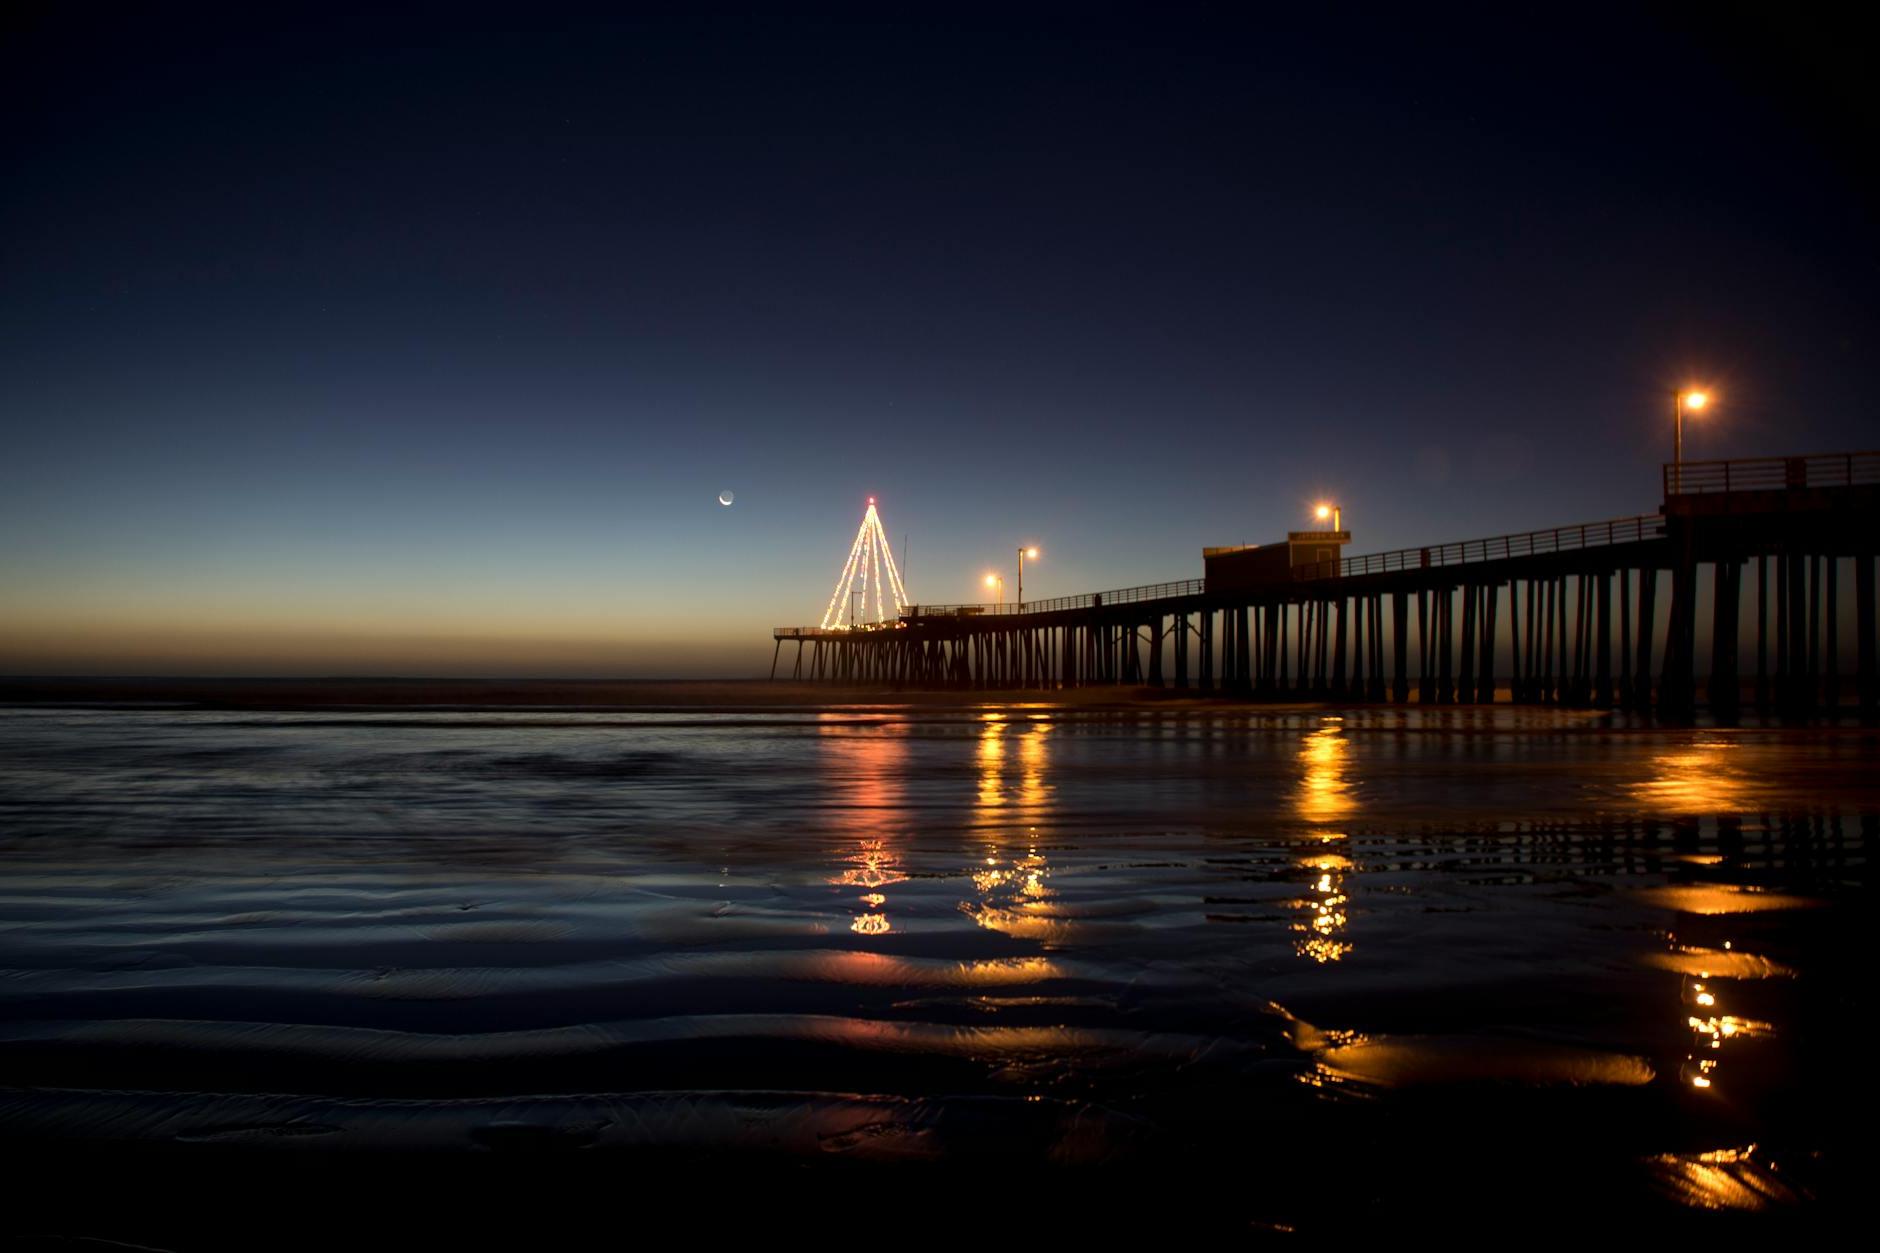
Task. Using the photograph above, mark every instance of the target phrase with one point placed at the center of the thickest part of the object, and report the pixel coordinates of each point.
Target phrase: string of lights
(870, 564)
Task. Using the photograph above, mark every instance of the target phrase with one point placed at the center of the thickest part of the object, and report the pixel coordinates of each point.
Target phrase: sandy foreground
(442, 964)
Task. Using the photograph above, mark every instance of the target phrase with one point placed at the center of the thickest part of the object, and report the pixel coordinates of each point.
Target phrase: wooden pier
(1600, 614)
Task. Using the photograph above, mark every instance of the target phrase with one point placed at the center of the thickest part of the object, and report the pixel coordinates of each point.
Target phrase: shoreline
(457, 695)
(598, 695)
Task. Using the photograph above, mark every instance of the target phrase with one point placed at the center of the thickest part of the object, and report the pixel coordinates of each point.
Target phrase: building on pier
(1247, 567)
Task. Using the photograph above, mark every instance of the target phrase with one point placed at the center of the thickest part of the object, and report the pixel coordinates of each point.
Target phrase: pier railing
(810, 633)
(1773, 474)
(1649, 526)
(1089, 600)
(1560, 539)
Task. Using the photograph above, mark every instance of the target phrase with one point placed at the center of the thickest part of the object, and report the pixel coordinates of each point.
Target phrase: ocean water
(1308, 970)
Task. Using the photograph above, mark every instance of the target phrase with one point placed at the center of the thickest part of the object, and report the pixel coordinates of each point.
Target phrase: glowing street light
(1022, 554)
(1333, 512)
(993, 580)
(1694, 399)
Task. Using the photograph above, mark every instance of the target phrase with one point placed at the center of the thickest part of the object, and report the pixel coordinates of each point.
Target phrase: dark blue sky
(424, 342)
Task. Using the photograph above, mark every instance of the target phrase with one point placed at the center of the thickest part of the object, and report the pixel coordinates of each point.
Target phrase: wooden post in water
(1647, 610)
(1625, 639)
(1547, 643)
(1794, 698)
(1445, 646)
(1523, 642)
(1377, 647)
(1321, 672)
(1338, 648)
(1583, 642)
(1724, 689)
(1243, 650)
(1207, 650)
(1516, 676)
(1831, 647)
(1485, 651)
(1563, 688)
(1762, 632)
(1280, 650)
(1675, 695)
(1308, 647)
(1814, 633)
(1864, 643)
(1360, 647)
(1465, 669)
(1400, 644)
(1602, 646)
(1426, 674)
(1180, 627)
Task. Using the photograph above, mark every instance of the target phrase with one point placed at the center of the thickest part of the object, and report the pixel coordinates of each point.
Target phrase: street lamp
(1022, 554)
(1694, 399)
(993, 580)
(1334, 512)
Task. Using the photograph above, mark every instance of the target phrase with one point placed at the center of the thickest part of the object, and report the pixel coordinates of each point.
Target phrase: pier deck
(1595, 614)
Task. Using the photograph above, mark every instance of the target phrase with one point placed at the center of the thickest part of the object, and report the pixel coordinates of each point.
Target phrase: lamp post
(1693, 399)
(1022, 554)
(993, 580)
(1334, 512)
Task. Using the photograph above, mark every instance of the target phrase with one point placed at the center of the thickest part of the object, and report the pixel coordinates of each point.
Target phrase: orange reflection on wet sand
(1403, 1061)
(1723, 898)
(1015, 896)
(991, 761)
(1033, 758)
(1723, 963)
(1703, 779)
(1702, 999)
(1321, 930)
(1324, 793)
(871, 867)
(869, 969)
(1723, 1179)
(1019, 795)
(868, 788)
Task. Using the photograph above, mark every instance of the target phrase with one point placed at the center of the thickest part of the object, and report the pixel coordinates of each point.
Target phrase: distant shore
(451, 693)
(650, 695)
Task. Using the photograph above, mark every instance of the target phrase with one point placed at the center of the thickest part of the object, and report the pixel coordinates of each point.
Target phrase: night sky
(424, 344)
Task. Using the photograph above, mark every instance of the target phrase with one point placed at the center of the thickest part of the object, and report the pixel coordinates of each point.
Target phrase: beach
(1303, 969)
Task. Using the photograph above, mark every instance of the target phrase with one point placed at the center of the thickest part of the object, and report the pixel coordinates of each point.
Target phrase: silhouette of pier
(1599, 614)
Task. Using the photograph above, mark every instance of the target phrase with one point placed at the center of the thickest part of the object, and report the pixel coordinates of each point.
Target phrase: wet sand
(550, 974)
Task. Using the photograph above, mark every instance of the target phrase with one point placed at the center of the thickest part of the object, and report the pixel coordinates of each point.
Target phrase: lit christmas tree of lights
(870, 559)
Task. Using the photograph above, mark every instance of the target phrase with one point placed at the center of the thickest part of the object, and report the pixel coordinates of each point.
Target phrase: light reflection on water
(867, 777)
(1705, 778)
(1325, 908)
(1152, 914)
(1324, 792)
(1325, 796)
(991, 764)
